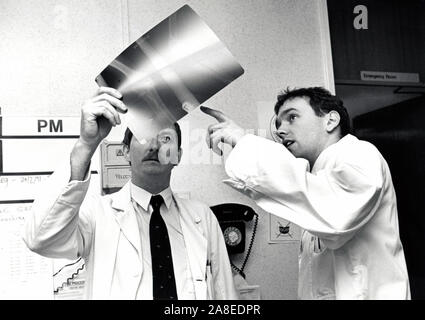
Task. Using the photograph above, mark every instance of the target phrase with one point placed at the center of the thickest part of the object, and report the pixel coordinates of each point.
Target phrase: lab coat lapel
(126, 217)
(196, 245)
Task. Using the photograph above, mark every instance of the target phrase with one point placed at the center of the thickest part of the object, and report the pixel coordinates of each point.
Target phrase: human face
(301, 131)
(156, 155)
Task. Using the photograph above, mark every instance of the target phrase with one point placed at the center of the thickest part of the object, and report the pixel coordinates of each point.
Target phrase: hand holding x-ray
(225, 131)
(99, 114)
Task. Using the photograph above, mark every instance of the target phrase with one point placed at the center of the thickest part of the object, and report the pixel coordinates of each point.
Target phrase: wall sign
(389, 76)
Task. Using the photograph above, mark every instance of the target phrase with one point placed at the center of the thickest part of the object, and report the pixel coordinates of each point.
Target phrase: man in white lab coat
(334, 186)
(113, 233)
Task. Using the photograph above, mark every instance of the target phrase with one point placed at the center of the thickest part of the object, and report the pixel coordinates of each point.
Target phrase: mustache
(168, 156)
(151, 156)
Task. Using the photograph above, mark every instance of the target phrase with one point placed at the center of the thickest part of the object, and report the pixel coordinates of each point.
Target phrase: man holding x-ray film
(142, 242)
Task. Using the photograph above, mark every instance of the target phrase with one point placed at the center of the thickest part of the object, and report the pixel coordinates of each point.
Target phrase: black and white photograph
(227, 151)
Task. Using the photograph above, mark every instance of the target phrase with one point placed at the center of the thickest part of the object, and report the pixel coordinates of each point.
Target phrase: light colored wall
(51, 51)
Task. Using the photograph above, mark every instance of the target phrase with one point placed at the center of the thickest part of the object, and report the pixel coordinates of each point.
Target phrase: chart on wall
(30, 150)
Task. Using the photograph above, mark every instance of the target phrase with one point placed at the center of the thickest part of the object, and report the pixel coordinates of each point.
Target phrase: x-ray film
(169, 71)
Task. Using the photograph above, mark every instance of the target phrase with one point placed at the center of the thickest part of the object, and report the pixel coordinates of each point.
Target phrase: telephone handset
(232, 218)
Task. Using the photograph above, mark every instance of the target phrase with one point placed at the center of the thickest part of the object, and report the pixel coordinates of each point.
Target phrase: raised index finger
(220, 116)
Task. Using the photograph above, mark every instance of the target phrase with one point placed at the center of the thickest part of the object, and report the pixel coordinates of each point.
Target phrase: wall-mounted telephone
(232, 218)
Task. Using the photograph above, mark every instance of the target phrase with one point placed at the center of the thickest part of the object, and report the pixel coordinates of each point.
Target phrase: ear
(126, 150)
(332, 121)
(180, 154)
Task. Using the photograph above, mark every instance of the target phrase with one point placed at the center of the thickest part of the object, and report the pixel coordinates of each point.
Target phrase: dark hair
(128, 135)
(322, 102)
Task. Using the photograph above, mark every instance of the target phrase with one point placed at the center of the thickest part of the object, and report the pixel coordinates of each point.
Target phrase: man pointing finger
(333, 185)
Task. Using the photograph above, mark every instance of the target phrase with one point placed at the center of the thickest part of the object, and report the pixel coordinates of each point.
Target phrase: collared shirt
(169, 212)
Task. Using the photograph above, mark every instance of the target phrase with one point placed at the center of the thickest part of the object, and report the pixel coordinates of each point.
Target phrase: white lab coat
(350, 248)
(63, 224)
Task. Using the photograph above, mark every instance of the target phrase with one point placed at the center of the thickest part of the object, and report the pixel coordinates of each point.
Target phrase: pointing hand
(225, 131)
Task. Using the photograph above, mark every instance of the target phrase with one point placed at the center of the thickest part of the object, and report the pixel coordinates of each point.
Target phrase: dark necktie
(164, 284)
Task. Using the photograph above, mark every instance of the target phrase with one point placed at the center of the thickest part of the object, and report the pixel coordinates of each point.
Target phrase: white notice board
(31, 148)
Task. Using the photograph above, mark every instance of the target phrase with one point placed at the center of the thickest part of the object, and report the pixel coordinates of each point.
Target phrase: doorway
(378, 48)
